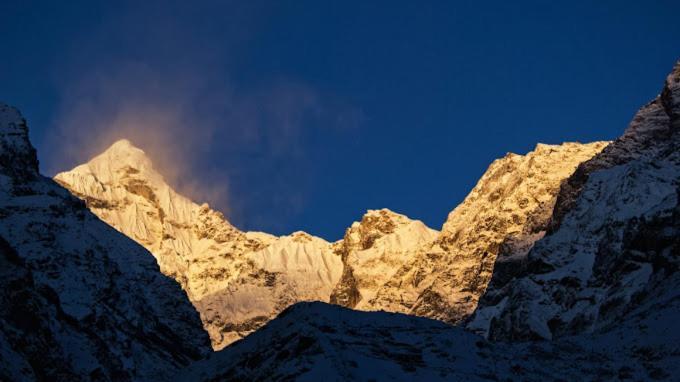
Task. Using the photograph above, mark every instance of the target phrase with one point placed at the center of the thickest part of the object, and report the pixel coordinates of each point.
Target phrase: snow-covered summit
(122, 187)
(124, 154)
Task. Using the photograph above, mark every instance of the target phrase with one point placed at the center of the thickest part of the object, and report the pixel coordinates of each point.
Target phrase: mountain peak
(375, 224)
(373, 250)
(123, 148)
(381, 212)
(18, 158)
(384, 215)
(124, 159)
(122, 144)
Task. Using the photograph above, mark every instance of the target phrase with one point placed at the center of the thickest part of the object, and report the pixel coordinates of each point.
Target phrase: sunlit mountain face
(386, 261)
(269, 191)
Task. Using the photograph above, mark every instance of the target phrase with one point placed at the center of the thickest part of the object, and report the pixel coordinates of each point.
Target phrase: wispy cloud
(171, 93)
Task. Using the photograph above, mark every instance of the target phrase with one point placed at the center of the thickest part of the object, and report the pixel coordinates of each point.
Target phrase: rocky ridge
(614, 241)
(443, 274)
(372, 250)
(240, 280)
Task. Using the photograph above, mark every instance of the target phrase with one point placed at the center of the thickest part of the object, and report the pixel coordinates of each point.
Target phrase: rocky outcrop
(615, 238)
(495, 226)
(80, 300)
(396, 264)
(372, 250)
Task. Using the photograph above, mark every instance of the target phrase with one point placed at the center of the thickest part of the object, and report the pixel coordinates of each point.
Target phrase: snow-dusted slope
(615, 239)
(294, 268)
(316, 341)
(79, 300)
(237, 280)
(507, 211)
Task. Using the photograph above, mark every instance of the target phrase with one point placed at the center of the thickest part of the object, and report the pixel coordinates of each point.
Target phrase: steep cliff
(497, 224)
(615, 240)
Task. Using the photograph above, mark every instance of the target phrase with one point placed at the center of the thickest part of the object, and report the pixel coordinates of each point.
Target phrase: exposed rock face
(237, 280)
(372, 251)
(294, 268)
(615, 241)
(499, 221)
(396, 264)
(79, 300)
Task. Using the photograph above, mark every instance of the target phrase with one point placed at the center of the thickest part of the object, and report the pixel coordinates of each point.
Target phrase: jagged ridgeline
(78, 299)
(614, 237)
(240, 280)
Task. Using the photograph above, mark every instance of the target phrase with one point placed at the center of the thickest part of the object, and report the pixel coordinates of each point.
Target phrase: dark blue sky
(305, 114)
